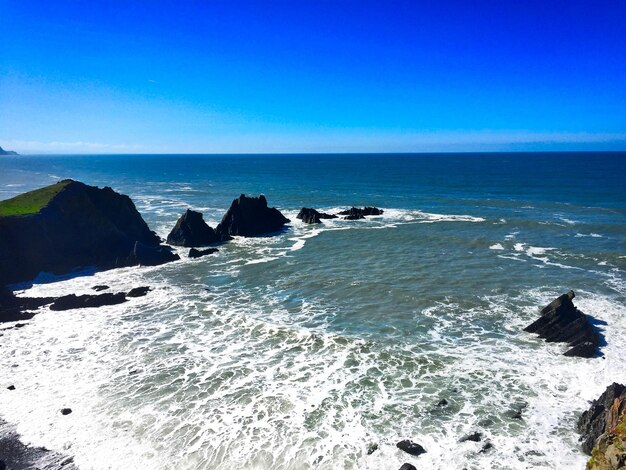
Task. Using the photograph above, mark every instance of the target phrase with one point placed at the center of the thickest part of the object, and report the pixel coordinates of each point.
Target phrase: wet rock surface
(562, 322)
(193, 253)
(411, 447)
(192, 231)
(603, 416)
(250, 217)
(312, 216)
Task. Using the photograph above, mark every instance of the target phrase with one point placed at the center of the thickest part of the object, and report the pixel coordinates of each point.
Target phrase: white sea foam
(496, 246)
(593, 235)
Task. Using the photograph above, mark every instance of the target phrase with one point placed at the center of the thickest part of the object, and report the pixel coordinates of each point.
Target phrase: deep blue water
(299, 350)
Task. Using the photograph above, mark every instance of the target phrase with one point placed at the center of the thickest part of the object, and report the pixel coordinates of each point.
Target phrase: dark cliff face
(191, 231)
(603, 416)
(81, 226)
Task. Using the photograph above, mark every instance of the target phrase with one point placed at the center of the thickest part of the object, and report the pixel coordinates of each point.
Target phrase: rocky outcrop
(355, 213)
(191, 231)
(7, 152)
(193, 253)
(138, 291)
(562, 322)
(605, 416)
(311, 216)
(411, 447)
(72, 301)
(14, 308)
(408, 466)
(79, 226)
(250, 217)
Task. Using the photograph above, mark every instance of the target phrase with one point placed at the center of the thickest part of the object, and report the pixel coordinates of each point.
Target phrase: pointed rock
(191, 231)
(250, 217)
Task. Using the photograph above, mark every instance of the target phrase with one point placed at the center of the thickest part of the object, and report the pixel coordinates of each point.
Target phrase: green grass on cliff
(31, 202)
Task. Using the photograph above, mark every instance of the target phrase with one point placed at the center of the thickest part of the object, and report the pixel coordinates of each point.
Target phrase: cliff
(71, 225)
(7, 152)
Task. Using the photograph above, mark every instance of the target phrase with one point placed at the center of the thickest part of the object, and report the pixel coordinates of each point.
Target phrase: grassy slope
(31, 202)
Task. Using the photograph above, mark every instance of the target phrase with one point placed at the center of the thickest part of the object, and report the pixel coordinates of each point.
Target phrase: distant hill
(7, 152)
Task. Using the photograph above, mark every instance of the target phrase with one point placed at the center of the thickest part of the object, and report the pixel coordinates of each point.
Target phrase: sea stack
(562, 322)
(192, 231)
(311, 216)
(250, 217)
(70, 225)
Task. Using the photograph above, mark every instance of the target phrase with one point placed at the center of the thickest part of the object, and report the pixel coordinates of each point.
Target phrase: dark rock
(80, 226)
(249, 217)
(311, 216)
(474, 437)
(191, 230)
(138, 291)
(562, 322)
(355, 213)
(7, 152)
(441, 403)
(193, 253)
(411, 447)
(72, 301)
(11, 387)
(602, 416)
(66, 411)
(516, 412)
(407, 466)
(486, 446)
(100, 288)
(147, 255)
(371, 448)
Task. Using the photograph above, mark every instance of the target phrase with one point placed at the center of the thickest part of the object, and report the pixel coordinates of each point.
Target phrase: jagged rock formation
(605, 421)
(249, 217)
(311, 216)
(355, 213)
(75, 226)
(191, 231)
(562, 322)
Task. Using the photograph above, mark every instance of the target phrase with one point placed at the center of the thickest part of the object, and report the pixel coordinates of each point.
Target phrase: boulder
(355, 213)
(72, 301)
(250, 217)
(474, 437)
(411, 447)
(603, 416)
(66, 226)
(138, 291)
(66, 411)
(193, 253)
(562, 322)
(311, 216)
(191, 230)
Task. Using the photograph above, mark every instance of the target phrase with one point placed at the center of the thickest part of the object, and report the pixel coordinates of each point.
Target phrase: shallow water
(300, 350)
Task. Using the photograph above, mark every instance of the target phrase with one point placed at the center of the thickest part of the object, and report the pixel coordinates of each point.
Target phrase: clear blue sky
(303, 76)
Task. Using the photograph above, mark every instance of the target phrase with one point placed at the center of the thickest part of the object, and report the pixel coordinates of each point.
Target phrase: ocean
(310, 348)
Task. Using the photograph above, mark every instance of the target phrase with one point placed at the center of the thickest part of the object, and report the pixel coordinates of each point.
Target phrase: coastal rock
(411, 447)
(562, 322)
(474, 437)
(7, 152)
(193, 253)
(14, 308)
(250, 217)
(100, 288)
(72, 301)
(407, 466)
(191, 230)
(148, 255)
(11, 387)
(66, 411)
(312, 216)
(138, 291)
(72, 225)
(371, 448)
(355, 213)
(603, 416)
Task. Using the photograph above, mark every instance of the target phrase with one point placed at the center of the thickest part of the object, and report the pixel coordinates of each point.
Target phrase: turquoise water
(300, 350)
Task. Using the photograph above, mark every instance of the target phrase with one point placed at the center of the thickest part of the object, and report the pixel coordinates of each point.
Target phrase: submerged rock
(474, 437)
(100, 288)
(191, 230)
(193, 253)
(407, 466)
(604, 416)
(562, 322)
(250, 217)
(411, 447)
(71, 301)
(146, 255)
(371, 448)
(138, 291)
(355, 213)
(312, 216)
